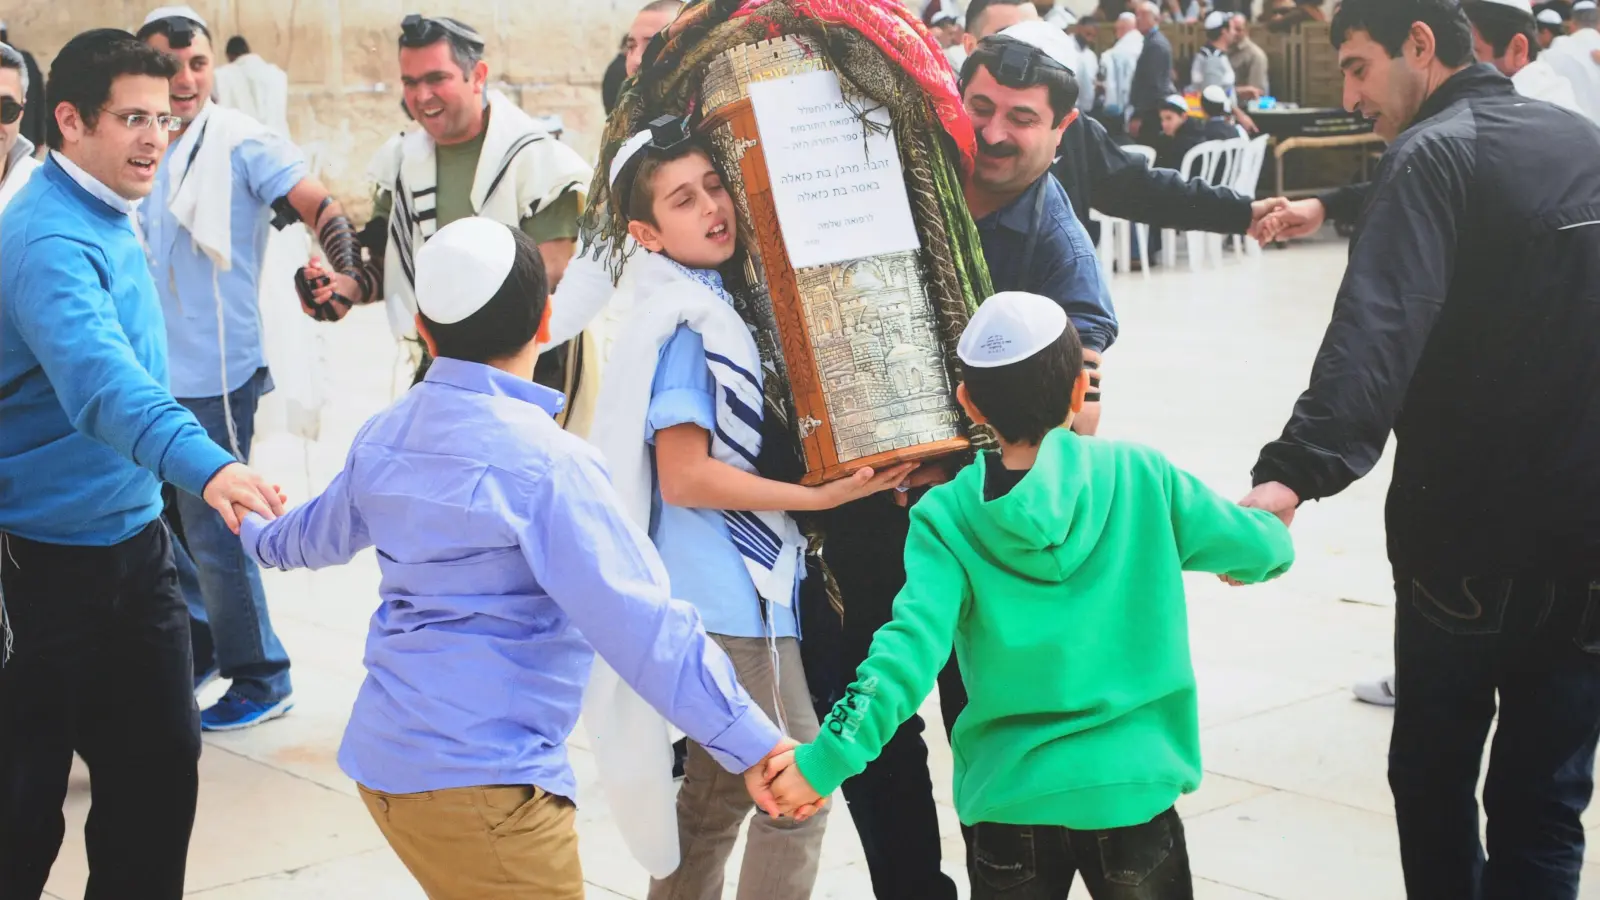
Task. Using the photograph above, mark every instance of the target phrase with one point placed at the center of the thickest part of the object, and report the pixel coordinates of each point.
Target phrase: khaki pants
(483, 843)
(781, 857)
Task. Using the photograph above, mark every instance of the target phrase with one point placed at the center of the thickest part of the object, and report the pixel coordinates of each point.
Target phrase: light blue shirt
(507, 563)
(264, 169)
(700, 556)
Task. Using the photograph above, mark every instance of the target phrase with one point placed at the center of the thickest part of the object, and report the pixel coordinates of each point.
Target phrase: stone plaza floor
(1294, 805)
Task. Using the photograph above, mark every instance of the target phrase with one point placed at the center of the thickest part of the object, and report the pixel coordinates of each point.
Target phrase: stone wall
(549, 55)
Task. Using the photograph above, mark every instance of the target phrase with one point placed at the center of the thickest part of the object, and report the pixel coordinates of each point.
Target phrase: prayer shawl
(1539, 81)
(522, 168)
(258, 89)
(1570, 57)
(19, 165)
(631, 741)
(200, 183)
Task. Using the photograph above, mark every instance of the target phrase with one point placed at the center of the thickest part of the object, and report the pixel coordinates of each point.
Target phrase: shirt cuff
(250, 529)
(824, 768)
(746, 742)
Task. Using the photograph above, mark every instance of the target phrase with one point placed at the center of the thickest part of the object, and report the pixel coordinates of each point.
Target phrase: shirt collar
(93, 185)
(481, 379)
(1018, 214)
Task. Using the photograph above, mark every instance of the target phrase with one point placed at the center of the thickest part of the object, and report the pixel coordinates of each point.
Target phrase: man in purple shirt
(507, 563)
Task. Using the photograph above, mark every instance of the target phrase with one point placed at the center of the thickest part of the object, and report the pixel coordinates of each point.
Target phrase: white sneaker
(1378, 693)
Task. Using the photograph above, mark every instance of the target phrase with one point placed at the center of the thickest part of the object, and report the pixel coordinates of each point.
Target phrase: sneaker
(1378, 693)
(202, 680)
(234, 712)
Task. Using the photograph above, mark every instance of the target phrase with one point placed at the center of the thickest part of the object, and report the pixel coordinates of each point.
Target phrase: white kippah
(1127, 17)
(626, 152)
(1525, 6)
(1583, 6)
(1176, 103)
(1549, 17)
(462, 267)
(1218, 18)
(945, 16)
(1047, 39)
(1215, 94)
(175, 12)
(1010, 327)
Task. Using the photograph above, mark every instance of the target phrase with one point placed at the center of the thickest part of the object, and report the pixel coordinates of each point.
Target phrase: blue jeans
(228, 618)
(1459, 643)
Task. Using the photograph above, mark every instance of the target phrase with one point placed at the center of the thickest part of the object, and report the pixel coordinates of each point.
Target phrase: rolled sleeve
(271, 166)
(682, 392)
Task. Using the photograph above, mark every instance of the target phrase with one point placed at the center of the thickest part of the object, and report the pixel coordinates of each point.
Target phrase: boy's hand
(757, 782)
(864, 483)
(794, 795)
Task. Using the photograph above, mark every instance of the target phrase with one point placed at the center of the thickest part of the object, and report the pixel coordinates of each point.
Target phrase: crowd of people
(577, 473)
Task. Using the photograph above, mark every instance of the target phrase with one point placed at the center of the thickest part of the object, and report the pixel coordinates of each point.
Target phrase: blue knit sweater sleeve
(63, 311)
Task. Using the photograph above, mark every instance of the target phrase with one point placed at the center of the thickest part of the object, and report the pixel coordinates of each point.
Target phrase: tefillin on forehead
(417, 30)
(1020, 61)
(180, 32)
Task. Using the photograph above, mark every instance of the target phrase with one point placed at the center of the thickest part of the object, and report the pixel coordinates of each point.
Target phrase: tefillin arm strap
(342, 244)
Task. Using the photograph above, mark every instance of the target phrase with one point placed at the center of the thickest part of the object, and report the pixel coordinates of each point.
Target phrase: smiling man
(476, 153)
(94, 637)
(207, 223)
(1466, 326)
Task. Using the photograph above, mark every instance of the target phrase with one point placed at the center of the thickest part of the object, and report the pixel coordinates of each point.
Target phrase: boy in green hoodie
(1056, 568)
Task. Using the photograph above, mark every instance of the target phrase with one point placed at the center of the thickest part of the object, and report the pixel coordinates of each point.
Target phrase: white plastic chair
(1218, 162)
(1119, 236)
(1255, 157)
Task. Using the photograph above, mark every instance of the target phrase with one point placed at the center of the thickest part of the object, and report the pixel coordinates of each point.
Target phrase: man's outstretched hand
(1295, 219)
(1275, 498)
(237, 490)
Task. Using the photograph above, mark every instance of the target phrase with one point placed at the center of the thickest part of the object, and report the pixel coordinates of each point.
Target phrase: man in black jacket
(1467, 324)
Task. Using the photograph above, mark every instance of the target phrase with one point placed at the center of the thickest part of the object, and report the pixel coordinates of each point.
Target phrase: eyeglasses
(10, 111)
(420, 31)
(141, 121)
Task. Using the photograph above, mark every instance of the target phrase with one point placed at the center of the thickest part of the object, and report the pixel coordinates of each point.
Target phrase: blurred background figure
(254, 87)
(33, 113)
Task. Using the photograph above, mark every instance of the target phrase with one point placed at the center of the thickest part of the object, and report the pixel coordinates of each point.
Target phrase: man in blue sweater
(95, 657)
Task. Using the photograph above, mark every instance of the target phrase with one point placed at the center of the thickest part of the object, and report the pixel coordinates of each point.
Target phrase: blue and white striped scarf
(770, 542)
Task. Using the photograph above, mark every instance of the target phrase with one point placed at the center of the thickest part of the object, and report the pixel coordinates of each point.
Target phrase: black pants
(1462, 644)
(101, 667)
(891, 802)
(1037, 862)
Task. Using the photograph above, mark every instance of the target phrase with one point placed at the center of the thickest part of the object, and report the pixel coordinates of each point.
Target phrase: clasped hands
(778, 788)
(1274, 497)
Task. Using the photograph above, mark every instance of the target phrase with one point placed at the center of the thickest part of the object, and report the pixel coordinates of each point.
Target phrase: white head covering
(626, 152)
(1127, 17)
(462, 267)
(1217, 18)
(1524, 6)
(179, 12)
(1010, 327)
(1549, 17)
(946, 16)
(1048, 39)
(1216, 95)
(1177, 103)
(1583, 6)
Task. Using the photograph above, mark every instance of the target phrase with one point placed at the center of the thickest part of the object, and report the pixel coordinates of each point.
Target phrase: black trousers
(891, 802)
(101, 667)
(1038, 862)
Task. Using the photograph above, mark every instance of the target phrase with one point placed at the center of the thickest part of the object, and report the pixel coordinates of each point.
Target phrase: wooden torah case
(859, 338)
